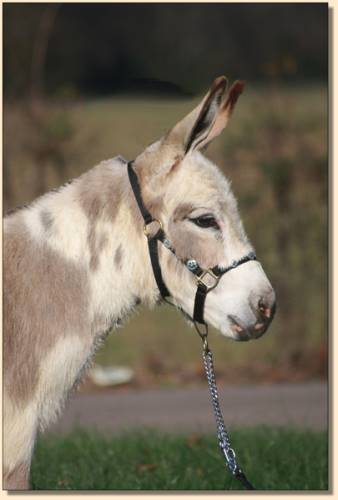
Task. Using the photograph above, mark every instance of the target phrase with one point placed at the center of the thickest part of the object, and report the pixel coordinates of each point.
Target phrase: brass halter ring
(145, 227)
(209, 272)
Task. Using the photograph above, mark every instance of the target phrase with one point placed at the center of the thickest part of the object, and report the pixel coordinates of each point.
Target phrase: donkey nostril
(264, 309)
(267, 312)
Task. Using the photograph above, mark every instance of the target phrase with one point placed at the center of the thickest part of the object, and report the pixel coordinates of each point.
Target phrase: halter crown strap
(147, 217)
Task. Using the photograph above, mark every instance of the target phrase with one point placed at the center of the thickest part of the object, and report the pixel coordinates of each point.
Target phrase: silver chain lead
(222, 433)
(223, 436)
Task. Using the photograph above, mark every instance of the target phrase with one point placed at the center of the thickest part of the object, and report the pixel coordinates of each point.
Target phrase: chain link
(222, 433)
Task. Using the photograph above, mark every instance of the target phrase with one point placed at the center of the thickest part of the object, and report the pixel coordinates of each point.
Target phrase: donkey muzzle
(264, 312)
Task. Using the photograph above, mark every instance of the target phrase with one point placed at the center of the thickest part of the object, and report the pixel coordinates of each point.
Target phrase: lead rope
(222, 433)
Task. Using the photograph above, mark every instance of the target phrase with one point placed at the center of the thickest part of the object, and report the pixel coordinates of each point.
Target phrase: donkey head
(198, 210)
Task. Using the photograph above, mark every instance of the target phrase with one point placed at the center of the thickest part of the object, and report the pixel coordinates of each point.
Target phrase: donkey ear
(224, 113)
(190, 132)
(208, 119)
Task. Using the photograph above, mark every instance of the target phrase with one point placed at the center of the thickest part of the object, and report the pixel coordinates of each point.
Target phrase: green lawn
(273, 459)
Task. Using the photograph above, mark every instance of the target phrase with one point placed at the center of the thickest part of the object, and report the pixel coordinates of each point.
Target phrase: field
(272, 459)
(275, 153)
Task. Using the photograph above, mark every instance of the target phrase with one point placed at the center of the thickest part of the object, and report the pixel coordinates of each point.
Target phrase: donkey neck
(117, 257)
(95, 224)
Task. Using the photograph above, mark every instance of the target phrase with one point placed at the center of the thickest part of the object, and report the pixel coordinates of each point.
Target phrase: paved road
(189, 409)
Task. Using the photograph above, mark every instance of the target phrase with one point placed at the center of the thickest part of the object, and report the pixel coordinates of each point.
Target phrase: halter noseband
(206, 279)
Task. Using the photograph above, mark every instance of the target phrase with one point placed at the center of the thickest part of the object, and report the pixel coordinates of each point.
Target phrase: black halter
(203, 288)
(206, 279)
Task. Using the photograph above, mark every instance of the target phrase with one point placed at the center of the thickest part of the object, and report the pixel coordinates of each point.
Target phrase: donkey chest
(62, 367)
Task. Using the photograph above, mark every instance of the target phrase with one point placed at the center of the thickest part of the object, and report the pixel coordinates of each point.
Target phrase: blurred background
(85, 82)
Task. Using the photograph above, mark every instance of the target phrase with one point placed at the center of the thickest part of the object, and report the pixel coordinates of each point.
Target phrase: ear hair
(193, 126)
(224, 113)
(208, 113)
(235, 91)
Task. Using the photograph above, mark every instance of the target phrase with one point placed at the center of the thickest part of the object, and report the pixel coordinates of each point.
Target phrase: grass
(273, 459)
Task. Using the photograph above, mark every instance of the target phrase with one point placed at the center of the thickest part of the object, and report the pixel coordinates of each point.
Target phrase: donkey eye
(205, 221)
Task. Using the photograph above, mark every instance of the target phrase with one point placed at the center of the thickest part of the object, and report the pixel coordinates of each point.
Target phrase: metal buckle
(145, 227)
(213, 275)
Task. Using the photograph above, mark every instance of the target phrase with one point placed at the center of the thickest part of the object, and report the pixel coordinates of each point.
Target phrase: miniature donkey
(76, 262)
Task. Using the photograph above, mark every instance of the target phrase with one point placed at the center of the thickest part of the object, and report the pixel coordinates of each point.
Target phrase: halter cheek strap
(206, 279)
(152, 240)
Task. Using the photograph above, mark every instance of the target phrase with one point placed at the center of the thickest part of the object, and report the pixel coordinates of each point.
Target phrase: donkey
(76, 262)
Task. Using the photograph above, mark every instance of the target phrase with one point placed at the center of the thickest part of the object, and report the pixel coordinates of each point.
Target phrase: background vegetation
(83, 83)
(102, 48)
